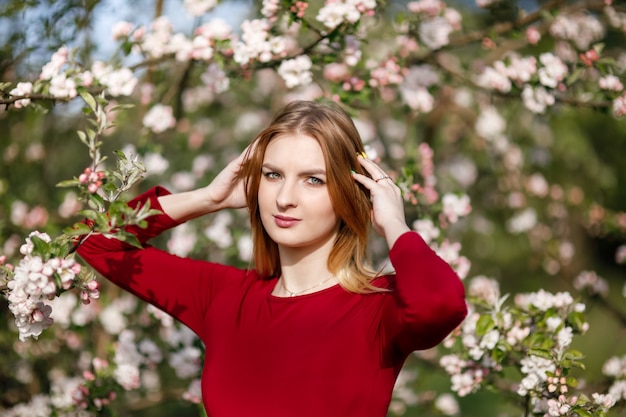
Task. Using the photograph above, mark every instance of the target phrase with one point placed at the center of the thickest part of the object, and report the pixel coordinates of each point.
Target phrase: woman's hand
(224, 192)
(388, 217)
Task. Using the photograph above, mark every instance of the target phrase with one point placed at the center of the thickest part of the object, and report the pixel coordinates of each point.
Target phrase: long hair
(340, 141)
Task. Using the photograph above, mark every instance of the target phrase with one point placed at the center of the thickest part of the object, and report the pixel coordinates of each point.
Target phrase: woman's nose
(287, 195)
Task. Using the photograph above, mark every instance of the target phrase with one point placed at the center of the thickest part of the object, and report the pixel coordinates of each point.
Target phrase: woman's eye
(314, 181)
(271, 175)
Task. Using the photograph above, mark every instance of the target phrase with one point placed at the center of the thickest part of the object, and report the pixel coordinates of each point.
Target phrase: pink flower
(533, 36)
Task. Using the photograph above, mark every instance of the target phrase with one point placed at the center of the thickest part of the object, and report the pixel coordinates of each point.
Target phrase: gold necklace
(294, 293)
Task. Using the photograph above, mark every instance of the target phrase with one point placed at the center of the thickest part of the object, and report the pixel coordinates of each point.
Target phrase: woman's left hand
(387, 205)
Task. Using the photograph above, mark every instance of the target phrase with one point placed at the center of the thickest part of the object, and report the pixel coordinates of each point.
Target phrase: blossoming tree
(500, 122)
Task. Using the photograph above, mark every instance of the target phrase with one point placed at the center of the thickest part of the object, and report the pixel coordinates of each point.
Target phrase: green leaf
(88, 214)
(541, 353)
(77, 229)
(575, 75)
(68, 183)
(583, 413)
(88, 98)
(484, 324)
(41, 247)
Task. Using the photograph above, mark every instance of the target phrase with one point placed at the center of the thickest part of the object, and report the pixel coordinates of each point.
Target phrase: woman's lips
(285, 221)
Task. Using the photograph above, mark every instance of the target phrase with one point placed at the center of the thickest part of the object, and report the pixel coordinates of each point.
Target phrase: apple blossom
(159, 118)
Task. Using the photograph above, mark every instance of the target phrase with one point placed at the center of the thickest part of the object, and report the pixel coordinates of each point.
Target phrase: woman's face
(294, 202)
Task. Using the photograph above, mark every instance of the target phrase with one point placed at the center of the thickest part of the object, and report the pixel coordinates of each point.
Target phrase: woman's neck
(304, 268)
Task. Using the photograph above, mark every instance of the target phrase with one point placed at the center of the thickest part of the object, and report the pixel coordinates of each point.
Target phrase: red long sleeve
(329, 353)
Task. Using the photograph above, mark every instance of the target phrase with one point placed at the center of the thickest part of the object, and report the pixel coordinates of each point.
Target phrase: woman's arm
(225, 191)
(182, 287)
(428, 296)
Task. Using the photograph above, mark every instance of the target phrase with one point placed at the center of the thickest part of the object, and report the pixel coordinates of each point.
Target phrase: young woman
(311, 330)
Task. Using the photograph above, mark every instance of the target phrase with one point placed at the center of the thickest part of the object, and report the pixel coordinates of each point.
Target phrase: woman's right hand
(224, 192)
(227, 190)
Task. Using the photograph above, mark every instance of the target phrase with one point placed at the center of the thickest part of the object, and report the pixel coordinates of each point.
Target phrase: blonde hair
(340, 141)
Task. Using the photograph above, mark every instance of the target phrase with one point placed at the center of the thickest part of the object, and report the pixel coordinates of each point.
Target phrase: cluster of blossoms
(615, 368)
(519, 71)
(34, 281)
(257, 43)
(159, 118)
(63, 77)
(414, 89)
(437, 22)
(92, 179)
(337, 12)
(537, 336)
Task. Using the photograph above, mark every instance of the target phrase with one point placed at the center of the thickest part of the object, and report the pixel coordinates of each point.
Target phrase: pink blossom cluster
(92, 179)
(30, 218)
(427, 170)
(438, 21)
(387, 72)
(592, 283)
(34, 282)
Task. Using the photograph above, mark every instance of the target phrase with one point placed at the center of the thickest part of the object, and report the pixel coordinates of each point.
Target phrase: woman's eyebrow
(313, 171)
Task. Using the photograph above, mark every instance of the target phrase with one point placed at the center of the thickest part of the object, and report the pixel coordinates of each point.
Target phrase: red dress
(331, 353)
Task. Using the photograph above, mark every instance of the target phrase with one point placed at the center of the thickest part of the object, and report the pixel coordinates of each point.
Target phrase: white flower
(494, 79)
(553, 323)
(186, 362)
(333, 14)
(245, 247)
(194, 392)
(528, 383)
(63, 87)
(127, 375)
(490, 125)
(22, 89)
(615, 367)
(426, 229)
(564, 337)
(553, 71)
(121, 30)
(486, 288)
(418, 99)
(199, 7)
(435, 32)
(155, 163)
(603, 400)
(490, 339)
(112, 319)
(522, 221)
(219, 230)
(619, 106)
(182, 241)
(610, 82)
(296, 71)
(537, 99)
(159, 118)
(455, 206)
(558, 407)
(447, 404)
(215, 78)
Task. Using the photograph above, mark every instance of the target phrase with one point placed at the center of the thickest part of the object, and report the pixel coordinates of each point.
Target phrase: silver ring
(382, 178)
